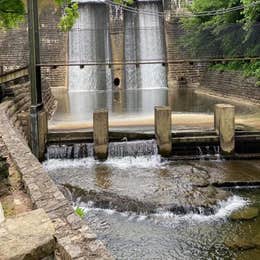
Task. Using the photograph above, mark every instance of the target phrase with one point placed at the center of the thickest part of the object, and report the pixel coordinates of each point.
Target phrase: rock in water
(245, 214)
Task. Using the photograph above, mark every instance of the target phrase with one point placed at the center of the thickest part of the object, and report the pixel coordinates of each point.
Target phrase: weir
(115, 149)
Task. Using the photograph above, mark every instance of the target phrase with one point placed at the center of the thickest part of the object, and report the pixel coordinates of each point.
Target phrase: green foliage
(11, 13)
(231, 34)
(124, 2)
(70, 15)
(80, 212)
(249, 69)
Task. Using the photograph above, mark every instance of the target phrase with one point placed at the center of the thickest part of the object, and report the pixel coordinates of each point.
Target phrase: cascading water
(88, 43)
(144, 41)
(116, 149)
(150, 46)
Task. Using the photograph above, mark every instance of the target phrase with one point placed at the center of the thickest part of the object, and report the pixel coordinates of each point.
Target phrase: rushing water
(150, 231)
(167, 236)
(115, 149)
(90, 42)
(145, 42)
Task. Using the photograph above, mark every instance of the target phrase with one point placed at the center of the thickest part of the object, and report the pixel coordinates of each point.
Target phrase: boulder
(239, 243)
(245, 214)
(27, 236)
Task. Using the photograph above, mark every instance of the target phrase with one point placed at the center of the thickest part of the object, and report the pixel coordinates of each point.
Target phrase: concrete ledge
(27, 236)
(70, 231)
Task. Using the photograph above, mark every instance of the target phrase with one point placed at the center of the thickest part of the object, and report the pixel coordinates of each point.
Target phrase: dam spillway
(91, 41)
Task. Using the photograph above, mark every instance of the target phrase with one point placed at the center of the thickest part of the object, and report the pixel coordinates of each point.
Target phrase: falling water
(144, 41)
(150, 46)
(115, 149)
(137, 148)
(88, 43)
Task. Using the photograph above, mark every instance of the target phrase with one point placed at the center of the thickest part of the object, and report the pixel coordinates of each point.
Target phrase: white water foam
(224, 209)
(55, 164)
(142, 162)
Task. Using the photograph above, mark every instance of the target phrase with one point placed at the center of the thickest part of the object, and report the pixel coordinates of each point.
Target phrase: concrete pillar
(163, 125)
(116, 31)
(100, 134)
(224, 123)
(43, 132)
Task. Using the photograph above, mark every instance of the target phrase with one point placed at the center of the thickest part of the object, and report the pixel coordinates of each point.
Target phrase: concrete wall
(230, 84)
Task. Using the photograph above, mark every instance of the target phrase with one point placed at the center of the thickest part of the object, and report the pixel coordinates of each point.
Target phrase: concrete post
(100, 134)
(116, 31)
(225, 127)
(163, 124)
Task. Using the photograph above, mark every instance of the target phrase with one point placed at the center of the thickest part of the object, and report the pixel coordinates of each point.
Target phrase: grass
(80, 212)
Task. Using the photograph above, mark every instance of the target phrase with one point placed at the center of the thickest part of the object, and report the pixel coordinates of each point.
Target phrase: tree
(13, 12)
(230, 34)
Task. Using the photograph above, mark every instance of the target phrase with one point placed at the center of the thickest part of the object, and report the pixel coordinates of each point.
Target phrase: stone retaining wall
(20, 94)
(230, 84)
(14, 45)
(74, 238)
(177, 71)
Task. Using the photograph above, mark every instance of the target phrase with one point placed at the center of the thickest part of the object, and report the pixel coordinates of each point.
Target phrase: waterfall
(135, 149)
(150, 46)
(74, 151)
(89, 43)
(115, 149)
(144, 41)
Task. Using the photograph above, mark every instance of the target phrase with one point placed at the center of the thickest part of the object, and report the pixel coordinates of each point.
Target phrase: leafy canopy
(13, 12)
(235, 33)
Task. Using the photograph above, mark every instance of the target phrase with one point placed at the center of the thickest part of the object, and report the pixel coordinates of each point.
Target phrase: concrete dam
(104, 35)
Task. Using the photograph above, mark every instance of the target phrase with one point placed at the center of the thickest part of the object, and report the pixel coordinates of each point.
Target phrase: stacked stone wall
(74, 238)
(230, 84)
(19, 93)
(179, 66)
(53, 47)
